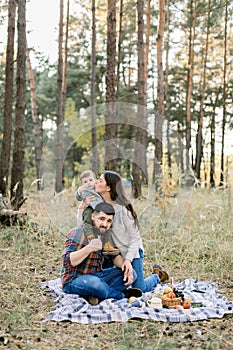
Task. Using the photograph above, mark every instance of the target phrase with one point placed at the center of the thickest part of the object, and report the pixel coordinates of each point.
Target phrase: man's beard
(102, 229)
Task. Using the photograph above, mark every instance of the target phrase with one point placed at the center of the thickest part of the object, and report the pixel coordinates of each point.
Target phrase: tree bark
(190, 80)
(110, 112)
(147, 46)
(224, 97)
(9, 216)
(17, 173)
(137, 168)
(212, 141)
(8, 100)
(119, 51)
(95, 156)
(64, 83)
(60, 109)
(160, 95)
(146, 64)
(167, 97)
(36, 121)
(199, 142)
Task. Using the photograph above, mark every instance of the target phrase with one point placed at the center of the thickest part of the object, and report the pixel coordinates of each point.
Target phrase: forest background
(144, 89)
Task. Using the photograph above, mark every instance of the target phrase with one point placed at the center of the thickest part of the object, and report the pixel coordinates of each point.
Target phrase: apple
(186, 305)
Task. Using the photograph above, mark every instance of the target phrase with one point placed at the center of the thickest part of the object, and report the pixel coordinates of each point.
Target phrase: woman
(125, 230)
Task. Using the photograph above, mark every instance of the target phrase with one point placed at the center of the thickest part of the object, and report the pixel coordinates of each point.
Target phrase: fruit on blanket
(132, 299)
(186, 305)
(171, 295)
(167, 290)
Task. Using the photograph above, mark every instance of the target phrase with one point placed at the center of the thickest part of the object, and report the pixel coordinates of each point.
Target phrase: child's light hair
(87, 173)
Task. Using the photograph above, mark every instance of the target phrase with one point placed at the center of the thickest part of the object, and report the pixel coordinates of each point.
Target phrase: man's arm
(79, 255)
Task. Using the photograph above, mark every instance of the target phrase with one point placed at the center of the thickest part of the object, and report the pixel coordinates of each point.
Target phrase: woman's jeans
(145, 284)
(104, 284)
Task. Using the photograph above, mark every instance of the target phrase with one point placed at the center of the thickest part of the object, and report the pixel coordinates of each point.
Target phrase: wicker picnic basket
(170, 302)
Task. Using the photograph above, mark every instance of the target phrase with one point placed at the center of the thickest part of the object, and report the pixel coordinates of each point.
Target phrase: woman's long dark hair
(117, 192)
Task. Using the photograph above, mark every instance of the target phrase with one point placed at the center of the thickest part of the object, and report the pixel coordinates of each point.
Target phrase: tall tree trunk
(190, 79)
(160, 95)
(8, 100)
(64, 84)
(36, 120)
(137, 168)
(17, 173)
(224, 96)
(95, 156)
(181, 148)
(167, 97)
(212, 142)
(110, 112)
(119, 50)
(199, 142)
(147, 48)
(60, 109)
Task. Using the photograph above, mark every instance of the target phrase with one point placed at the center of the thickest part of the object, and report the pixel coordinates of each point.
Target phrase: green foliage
(79, 72)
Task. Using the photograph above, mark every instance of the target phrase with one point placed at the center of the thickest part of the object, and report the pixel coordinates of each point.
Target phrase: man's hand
(95, 245)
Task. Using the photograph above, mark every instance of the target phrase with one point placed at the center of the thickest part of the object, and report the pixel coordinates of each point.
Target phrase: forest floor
(189, 235)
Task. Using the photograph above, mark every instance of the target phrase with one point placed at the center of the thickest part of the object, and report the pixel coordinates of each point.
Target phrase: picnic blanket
(71, 307)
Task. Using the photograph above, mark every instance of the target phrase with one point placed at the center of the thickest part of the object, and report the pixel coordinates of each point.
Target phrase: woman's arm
(134, 238)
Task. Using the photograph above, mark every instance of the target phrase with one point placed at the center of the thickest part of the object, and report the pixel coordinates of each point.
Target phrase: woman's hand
(85, 202)
(128, 272)
(126, 267)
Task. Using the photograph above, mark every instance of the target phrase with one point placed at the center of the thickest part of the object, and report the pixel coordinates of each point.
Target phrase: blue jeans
(145, 284)
(104, 284)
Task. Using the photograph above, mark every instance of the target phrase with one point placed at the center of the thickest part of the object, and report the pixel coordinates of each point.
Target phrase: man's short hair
(105, 208)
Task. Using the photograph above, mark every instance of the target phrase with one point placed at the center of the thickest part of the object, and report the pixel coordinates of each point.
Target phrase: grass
(189, 235)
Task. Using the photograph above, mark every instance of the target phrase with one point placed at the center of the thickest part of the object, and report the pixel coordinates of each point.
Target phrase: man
(82, 272)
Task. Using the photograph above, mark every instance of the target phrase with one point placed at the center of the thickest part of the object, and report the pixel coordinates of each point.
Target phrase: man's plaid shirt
(76, 240)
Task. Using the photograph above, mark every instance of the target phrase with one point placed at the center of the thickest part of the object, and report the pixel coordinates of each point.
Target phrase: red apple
(186, 305)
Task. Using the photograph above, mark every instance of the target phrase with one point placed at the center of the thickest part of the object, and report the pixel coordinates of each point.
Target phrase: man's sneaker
(92, 300)
(108, 249)
(157, 269)
(132, 292)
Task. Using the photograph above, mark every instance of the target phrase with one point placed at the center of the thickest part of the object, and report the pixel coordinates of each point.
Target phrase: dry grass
(190, 235)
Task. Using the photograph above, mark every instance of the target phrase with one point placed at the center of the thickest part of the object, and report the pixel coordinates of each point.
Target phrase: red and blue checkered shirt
(76, 240)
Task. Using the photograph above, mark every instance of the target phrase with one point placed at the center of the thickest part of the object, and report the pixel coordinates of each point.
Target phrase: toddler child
(88, 179)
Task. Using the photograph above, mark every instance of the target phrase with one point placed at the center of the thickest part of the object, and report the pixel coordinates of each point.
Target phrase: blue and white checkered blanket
(71, 307)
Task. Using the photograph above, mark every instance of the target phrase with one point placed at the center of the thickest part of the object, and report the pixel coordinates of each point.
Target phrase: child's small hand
(81, 189)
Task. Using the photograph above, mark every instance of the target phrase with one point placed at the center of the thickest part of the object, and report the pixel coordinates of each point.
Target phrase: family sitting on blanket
(82, 260)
